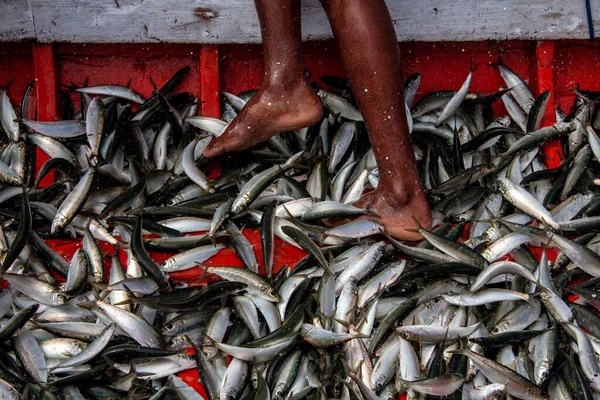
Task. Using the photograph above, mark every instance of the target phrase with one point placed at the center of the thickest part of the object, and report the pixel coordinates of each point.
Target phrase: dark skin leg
(285, 101)
(371, 59)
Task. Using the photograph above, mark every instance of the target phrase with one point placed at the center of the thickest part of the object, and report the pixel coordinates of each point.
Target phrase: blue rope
(588, 11)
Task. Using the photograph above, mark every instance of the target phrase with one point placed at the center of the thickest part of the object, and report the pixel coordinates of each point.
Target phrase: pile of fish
(468, 313)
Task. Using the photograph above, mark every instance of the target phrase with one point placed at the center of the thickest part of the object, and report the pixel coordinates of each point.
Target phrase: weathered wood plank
(235, 21)
(16, 22)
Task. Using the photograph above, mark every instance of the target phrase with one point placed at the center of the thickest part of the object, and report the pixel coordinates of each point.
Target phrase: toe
(216, 148)
(401, 233)
(236, 143)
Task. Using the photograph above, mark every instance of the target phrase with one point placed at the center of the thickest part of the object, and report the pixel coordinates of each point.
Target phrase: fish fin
(321, 316)
(99, 285)
(352, 373)
(154, 87)
(204, 269)
(368, 208)
(345, 324)
(463, 344)
(132, 367)
(455, 351)
(97, 295)
(9, 84)
(177, 119)
(195, 346)
(35, 324)
(418, 224)
(212, 238)
(108, 361)
(120, 245)
(104, 294)
(534, 295)
(124, 302)
(490, 213)
(129, 292)
(497, 63)
(88, 305)
(211, 341)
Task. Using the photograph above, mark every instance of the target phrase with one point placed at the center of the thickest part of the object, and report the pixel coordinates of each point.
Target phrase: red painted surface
(209, 81)
(45, 74)
(16, 62)
(543, 64)
(16, 65)
(127, 63)
(575, 62)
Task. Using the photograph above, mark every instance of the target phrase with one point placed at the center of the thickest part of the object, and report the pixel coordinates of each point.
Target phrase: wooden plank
(235, 21)
(16, 21)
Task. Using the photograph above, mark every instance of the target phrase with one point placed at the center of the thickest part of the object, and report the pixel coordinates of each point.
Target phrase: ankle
(283, 83)
(402, 193)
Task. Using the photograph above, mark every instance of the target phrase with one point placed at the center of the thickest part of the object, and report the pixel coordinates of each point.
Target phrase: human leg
(285, 101)
(371, 58)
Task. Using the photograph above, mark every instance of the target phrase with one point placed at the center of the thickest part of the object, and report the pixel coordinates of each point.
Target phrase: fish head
(57, 224)
(177, 342)
(378, 385)
(59, 298)
(272, 295)
(407, 335)
(170, 328)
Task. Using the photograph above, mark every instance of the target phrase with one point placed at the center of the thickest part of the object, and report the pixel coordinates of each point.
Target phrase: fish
(362, 315)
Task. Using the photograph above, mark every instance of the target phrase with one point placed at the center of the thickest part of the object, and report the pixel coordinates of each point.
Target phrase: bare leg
(371, 59)
(285, 101)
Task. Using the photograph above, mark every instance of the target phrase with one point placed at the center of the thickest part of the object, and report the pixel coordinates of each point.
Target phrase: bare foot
(272, 110)
(398, 213)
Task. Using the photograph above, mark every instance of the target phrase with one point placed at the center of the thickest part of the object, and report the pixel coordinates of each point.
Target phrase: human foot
(397, 213)
(271, 111)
